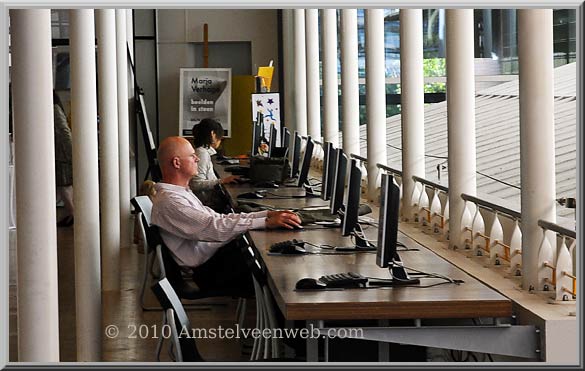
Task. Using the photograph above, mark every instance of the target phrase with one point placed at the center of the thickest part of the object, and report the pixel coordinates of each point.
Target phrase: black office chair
(185, 346)
(143, 205)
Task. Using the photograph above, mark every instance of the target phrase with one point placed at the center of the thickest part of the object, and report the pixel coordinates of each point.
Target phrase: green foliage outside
(431, 67)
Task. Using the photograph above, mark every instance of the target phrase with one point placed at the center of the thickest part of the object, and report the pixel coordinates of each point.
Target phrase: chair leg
(267, 342)
(272, 321)
(148, 259)
(241, 313)
(175, 343)
(161, 339)
(259, 319)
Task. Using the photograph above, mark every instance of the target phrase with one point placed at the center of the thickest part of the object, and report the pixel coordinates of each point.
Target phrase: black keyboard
(238, 170)
(349, 279)
(288, 247)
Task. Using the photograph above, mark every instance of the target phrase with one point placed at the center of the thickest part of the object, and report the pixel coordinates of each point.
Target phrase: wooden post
(205, 45)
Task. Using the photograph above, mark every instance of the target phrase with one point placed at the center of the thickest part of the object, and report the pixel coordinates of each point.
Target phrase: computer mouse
(252, 195)
(309, 284)
(266, 185)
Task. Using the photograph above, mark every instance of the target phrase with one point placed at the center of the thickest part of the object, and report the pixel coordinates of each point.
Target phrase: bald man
(198, 237)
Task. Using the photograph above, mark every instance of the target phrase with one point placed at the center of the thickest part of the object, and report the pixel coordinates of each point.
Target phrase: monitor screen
(296, 155)
(387, 222)
(272, 145)
(352, 200)
(338, 181)
(285, 137)
(304, 173)
(256, 133)
(330, 170)
(327, 149)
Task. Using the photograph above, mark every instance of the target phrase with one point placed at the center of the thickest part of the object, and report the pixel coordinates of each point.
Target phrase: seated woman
(207, 137)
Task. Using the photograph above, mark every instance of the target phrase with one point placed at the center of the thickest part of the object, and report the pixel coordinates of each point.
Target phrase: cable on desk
(332, 248)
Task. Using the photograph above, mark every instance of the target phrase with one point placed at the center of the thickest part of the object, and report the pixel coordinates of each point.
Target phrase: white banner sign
(205, 93)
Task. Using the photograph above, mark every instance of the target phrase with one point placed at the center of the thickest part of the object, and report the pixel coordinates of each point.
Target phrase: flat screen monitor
(352, 199)
(257, 133)
(387, 221)
(272, 144)
(338, 182)
(332, 163)
(296, 155)
(304, 173)
(279, 152)
(386, 253)
(285, 137)
(327, 149)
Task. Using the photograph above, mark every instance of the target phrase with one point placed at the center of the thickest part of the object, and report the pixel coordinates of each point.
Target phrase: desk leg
(313, 343)
(383, 348)
(288, 351)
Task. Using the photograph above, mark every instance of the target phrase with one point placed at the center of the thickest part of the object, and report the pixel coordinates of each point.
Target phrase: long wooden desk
(471, 299)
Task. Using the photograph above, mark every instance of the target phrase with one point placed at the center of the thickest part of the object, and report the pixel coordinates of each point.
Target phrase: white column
(88, 302)
(330, 82)
(300, 70)
(32, 85)
(131, 111)
(537, 133)
(108, 128)
(123, 127)
(313, 83)
(289, 69)
(460, 115)
(376, 97)
(350, 94)
(412, 102)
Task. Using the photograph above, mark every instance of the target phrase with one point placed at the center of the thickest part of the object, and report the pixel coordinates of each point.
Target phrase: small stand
(309, 191)
(398, 274)
(360, 243)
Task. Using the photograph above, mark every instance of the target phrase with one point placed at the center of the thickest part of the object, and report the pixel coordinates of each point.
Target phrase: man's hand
(230, 179)
(285, 218)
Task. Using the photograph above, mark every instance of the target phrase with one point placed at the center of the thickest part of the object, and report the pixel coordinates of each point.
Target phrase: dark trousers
(227, 271)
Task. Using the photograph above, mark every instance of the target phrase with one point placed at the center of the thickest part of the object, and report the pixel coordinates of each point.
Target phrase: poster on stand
(205, 93)
(268, 104)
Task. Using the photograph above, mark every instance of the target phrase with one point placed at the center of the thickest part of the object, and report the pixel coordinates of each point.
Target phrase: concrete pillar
(412, 101)
(88, 302)
(131, 108)
(300, 70)
(350, 94)
(108, 129)
(289, 68)
(537, 133)
(36, 217)
(376, 97)
(330, 81)
(461, 116)
(123, 127)
(313, 83)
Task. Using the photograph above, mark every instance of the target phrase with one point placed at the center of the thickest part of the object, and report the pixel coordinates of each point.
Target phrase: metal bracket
(511, 340)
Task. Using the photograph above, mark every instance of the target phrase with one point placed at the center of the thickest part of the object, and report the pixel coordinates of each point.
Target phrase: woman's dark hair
(202, 132)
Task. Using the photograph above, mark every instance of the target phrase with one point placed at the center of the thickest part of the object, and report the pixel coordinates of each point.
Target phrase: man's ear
(176, 162)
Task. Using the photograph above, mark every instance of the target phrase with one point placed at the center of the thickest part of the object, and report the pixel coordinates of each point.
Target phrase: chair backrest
(255, 264)
(168, 298)
(144, 205)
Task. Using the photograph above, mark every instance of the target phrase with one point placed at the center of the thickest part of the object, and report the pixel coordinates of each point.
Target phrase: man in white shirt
(198, 237)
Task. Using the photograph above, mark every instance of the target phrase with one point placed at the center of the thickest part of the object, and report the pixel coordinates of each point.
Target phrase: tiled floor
(123, 310)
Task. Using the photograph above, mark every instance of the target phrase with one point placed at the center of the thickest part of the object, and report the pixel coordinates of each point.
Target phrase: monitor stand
(360, 243)
(309, 192)
(399, 276)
